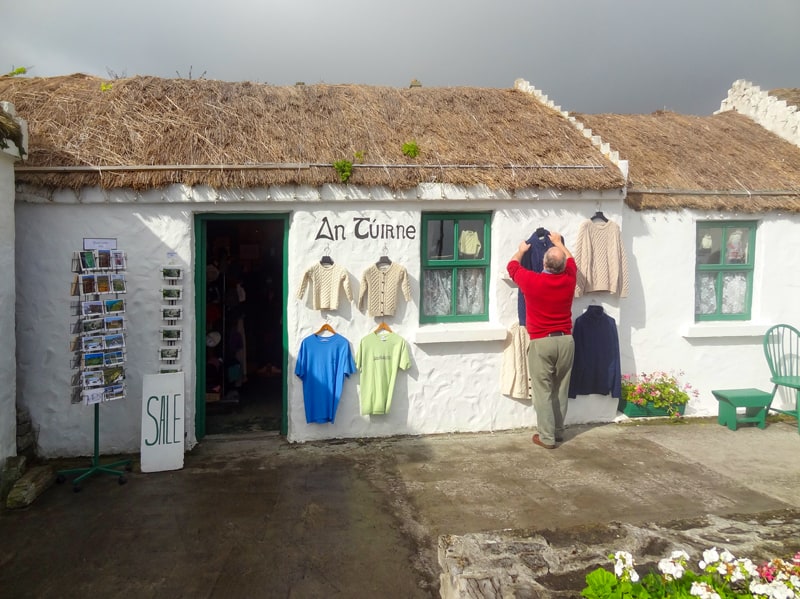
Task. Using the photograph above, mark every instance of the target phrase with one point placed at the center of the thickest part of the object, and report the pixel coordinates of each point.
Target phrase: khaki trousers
(550, 367)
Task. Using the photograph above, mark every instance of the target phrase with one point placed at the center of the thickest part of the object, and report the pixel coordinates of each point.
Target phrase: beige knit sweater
(326, 281)
(379, 286)
(600, 257)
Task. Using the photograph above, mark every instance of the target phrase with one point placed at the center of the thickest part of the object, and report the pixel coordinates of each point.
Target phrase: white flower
(702, 590)
(710, 556)
(726, 556)
(748, 567)
(623, 566)
(773, 590)
(673, 567)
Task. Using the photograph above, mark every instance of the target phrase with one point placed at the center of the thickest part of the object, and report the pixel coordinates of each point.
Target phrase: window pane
(705, 294)
(709, 242)
(436, 289)
(440, 239)
(470, 239)
(736, 248)
(470, 291)
(734, 293)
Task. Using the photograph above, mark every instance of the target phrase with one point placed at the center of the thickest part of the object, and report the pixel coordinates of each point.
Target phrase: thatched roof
(721, 162)
(10, 131)
(503, 138)
(790, 95)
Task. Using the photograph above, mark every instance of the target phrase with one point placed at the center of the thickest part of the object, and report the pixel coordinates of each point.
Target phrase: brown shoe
(541, 443)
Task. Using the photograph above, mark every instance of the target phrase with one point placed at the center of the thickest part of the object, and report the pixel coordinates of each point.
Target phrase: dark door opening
(242, 325)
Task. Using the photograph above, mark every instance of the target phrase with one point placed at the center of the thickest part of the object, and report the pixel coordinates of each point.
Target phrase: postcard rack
(98, 346)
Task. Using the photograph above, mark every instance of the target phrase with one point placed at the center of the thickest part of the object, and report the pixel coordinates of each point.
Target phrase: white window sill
(459, 332)
(724, 329)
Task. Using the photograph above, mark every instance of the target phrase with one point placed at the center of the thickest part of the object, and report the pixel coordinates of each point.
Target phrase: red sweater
(548, 298)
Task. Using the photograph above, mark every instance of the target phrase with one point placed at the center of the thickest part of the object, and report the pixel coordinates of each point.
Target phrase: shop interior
(244, 329)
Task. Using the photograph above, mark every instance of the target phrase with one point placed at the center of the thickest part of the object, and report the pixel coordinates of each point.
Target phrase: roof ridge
(772, 113)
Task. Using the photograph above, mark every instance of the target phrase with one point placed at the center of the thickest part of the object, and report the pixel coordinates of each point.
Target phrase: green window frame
(725, 259)
(456, 254)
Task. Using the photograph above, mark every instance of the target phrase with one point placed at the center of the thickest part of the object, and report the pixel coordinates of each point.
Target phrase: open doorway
(240, 322)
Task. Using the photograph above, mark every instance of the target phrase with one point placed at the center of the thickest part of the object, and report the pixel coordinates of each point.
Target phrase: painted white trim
(458, 332)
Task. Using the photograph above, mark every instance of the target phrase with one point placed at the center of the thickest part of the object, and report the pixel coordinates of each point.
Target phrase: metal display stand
(96, 467)
(99, 346)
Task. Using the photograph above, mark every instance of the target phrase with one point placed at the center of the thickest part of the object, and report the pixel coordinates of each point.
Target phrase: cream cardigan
(326, 280)
(379, 285)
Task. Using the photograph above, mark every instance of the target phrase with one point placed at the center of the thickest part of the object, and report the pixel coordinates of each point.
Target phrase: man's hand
(523, 247)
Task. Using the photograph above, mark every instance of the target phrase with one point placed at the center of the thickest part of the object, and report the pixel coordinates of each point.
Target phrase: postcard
(88, 284)
(103, 284)
(93, 396)
(118, 284)
(92, 325)
(114, 306)
(166, 354)
(114, 341)
(104, 259)
(93, 360)
(118, 261)
(172, 293)
(88, 261)
(93, 308)
(92, 344)
(114, 323)
(113, 392)
(92, 378)
(171, 334)
(75, 288)
(171, 272)
(171, 312)
(113, 358)
(113, 375)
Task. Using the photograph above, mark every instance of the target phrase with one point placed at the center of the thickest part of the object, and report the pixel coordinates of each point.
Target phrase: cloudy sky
(587, 55)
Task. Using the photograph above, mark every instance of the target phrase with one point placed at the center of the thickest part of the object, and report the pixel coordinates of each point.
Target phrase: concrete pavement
(258, 517)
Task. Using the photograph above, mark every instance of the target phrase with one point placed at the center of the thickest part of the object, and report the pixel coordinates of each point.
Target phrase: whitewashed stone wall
(768, 111)
(450, 387)
(8, 369)
(657, 328)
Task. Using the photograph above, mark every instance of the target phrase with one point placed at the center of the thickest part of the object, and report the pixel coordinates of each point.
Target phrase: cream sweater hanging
(326, 281)
(600, 257)
(379, 286)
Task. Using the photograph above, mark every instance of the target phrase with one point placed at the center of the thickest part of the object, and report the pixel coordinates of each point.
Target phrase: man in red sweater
(548, 313)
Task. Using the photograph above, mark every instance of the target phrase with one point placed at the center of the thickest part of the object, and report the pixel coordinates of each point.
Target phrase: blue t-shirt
(322, 364)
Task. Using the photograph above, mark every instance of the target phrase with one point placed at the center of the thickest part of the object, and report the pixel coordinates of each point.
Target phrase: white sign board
(162, 422)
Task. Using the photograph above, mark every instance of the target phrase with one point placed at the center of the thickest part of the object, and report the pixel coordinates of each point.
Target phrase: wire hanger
(382, 326)
(326, 259)
(384, 260)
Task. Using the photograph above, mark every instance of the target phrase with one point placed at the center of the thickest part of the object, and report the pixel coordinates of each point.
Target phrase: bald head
(555, 260)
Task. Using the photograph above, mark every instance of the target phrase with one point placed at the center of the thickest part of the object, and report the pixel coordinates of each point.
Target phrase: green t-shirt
(378, 358)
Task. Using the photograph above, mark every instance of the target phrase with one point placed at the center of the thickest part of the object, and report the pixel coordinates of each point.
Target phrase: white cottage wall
(8, 368)
(451, 386)
(657, 329)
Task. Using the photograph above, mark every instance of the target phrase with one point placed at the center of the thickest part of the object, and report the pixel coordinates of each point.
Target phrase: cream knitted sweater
(379, 286)
(326, 280)
(600, 257)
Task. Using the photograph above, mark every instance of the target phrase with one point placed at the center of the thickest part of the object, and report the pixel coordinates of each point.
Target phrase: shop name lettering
(366, 228)
(160, 409)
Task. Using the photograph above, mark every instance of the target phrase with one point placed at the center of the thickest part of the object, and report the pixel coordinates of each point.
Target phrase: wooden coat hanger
(383, 327)
(325, 327)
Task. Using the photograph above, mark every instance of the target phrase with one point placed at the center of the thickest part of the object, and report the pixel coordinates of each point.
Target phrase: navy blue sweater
(596, 368)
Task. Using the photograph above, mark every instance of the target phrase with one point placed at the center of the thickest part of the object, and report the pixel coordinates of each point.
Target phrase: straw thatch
(789, 95)
(10, 131)
(724, 162)
(502, 138)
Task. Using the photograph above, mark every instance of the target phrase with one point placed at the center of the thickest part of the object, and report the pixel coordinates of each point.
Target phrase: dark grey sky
(587, 55)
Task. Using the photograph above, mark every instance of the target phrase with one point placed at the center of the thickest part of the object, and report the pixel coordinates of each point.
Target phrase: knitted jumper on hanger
(379, 286)
(600, 256)
(326, 281)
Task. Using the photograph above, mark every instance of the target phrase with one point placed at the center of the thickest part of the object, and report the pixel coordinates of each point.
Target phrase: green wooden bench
(754, 401)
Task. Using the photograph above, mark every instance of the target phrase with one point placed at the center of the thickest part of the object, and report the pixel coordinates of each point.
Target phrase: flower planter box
(631, 410)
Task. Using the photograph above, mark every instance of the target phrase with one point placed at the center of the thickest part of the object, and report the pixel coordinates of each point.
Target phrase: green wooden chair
(782, 350)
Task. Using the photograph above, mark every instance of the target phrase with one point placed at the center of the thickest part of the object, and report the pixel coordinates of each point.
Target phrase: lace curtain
(437, 286)
(734, 292)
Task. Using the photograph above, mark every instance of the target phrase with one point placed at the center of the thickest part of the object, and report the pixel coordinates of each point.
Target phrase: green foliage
(104, 87)
(411, 149)
(16, 72)
(344, 168)
(359, 156)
